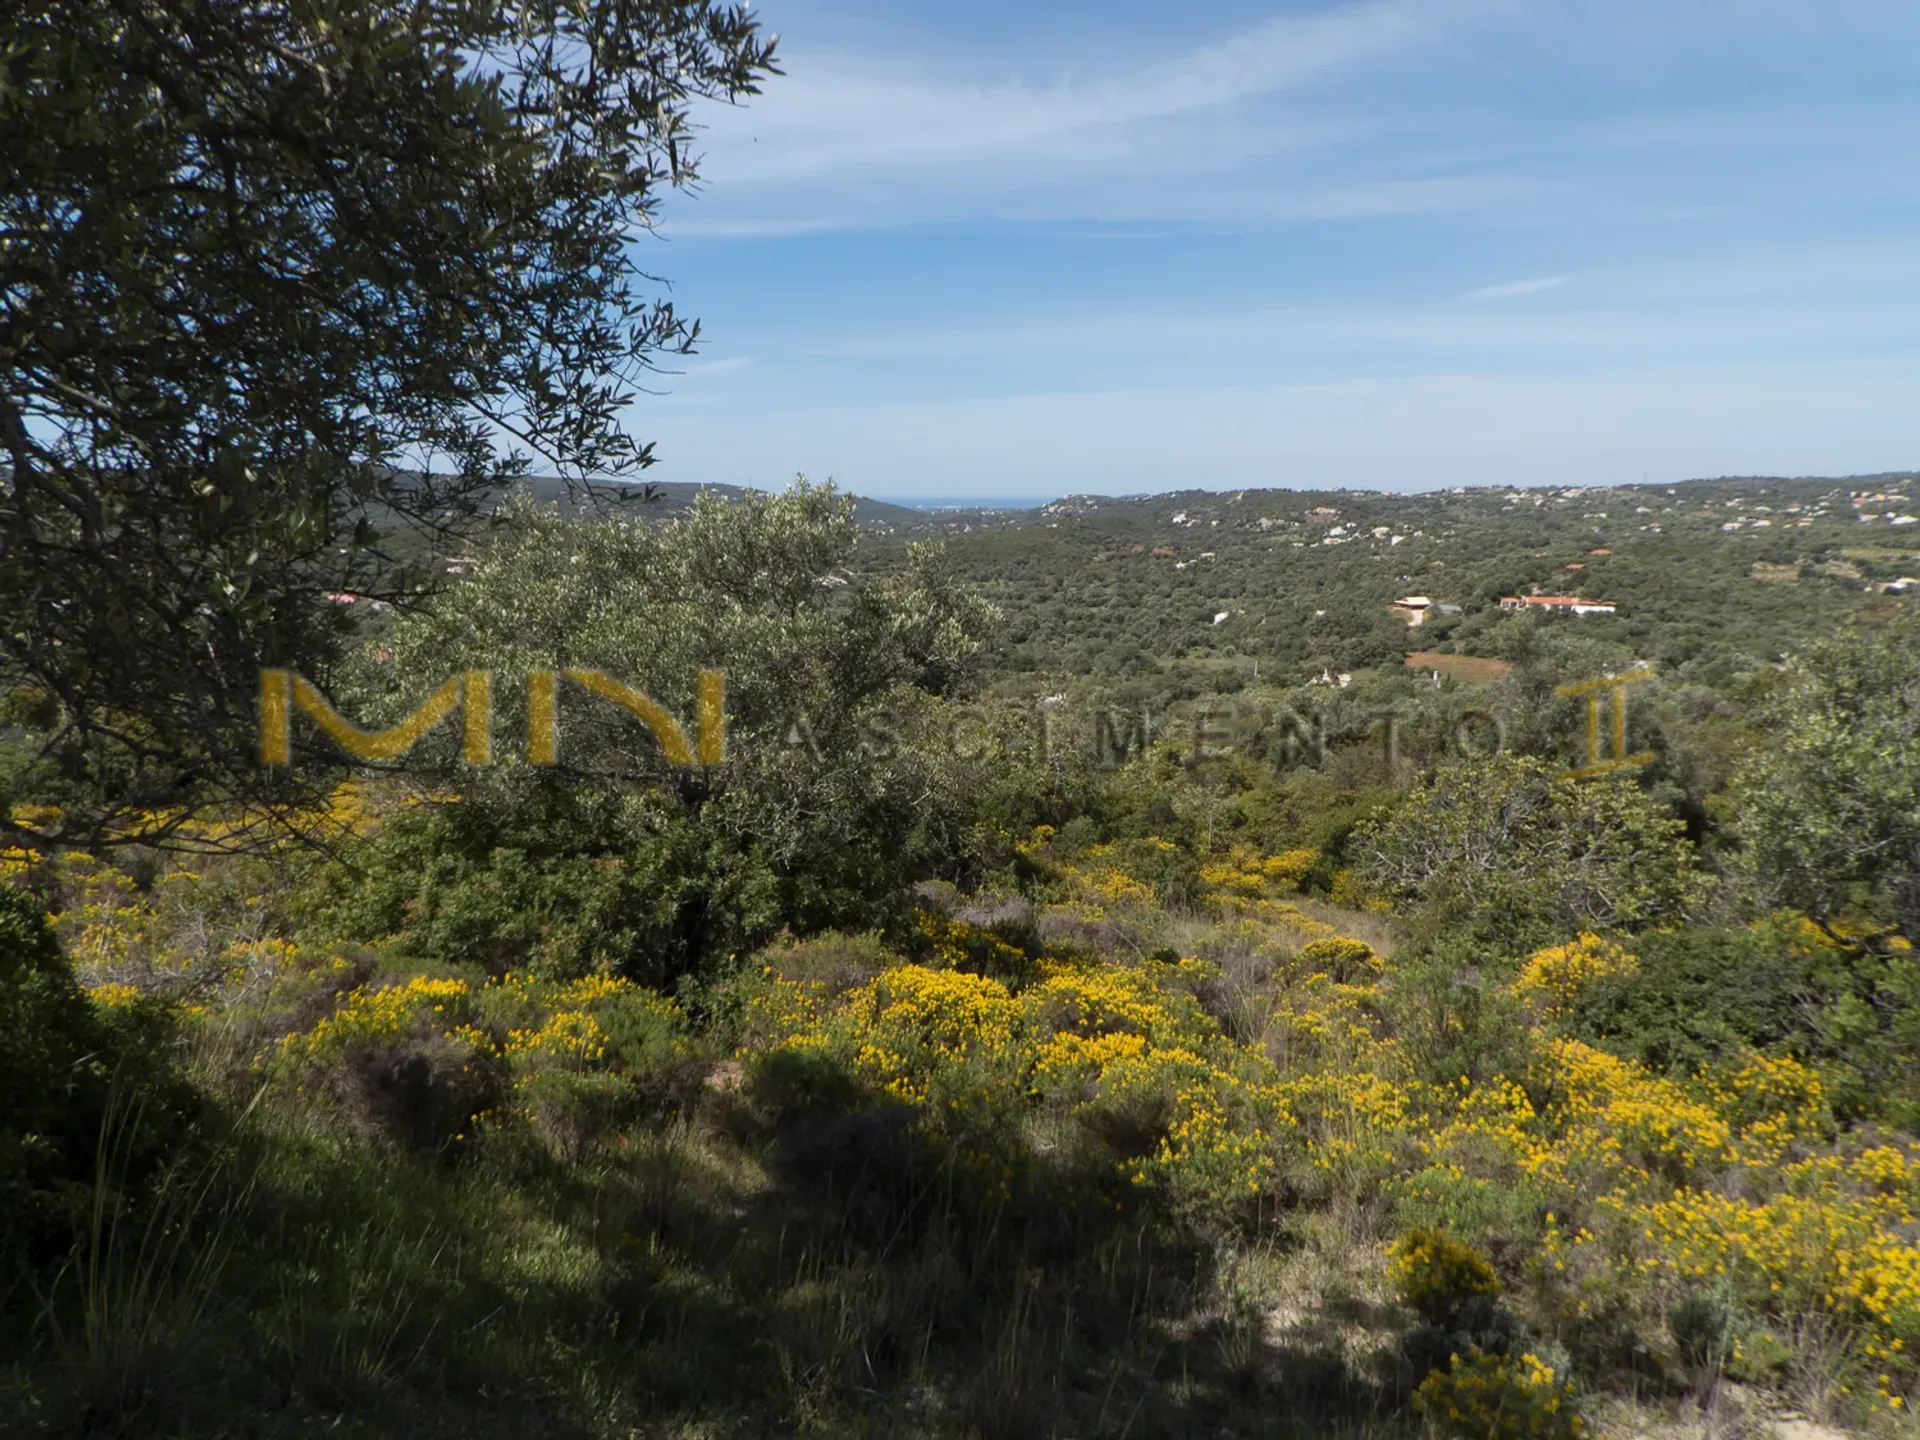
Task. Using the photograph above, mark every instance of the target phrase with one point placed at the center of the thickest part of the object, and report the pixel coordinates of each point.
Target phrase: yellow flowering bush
(1239, 873)
(381, 1014)
(1108, 884)
(403, 1063)
(113, 997)
(918, 1033)
(1242, 873)
(1610, 1190)
(1290, 867)
(1499, 1397)
(1614, 1114)
(1207, 1133)
(1436, 1275)
(1555, 977)
(1340, 956)
(572, 1060)
(955, 945)
(18, 864)
(167, 936)
(1132, 1057)
(1890, 1171)
(1103, 999)
(1352, 1124)
(1773, 1102)
(589, 1056)
(1122, 1055)
(1852, 1257)
(1348, 890)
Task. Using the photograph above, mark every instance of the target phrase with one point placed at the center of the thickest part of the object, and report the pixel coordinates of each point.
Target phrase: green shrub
(1499, 1397)
(1701, 997)
(1454, 1015)
(592, 1057)
(1696, 997)
(1347, 960)
(1172, 870)
(837, 961)
(1438, 1276)
(55, 1081)
(88, 1100)
(401, 1063)
(552, 889)
(1507, 852)
(1701, 1326)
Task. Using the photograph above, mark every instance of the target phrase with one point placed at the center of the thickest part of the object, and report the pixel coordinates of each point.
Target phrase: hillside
(975, 1048)
(1710, 578)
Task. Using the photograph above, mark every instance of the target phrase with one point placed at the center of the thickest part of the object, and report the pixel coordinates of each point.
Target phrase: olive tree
(279, 283)
(1828, 813)
(836, 785)
(1514, 855)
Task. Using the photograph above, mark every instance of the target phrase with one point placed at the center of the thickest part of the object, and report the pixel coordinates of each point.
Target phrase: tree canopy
(1510, 853)
(835, 775)
(278, 279)
(1829, 814)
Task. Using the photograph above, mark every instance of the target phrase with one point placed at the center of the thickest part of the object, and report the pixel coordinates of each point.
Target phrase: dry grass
(1473, 669)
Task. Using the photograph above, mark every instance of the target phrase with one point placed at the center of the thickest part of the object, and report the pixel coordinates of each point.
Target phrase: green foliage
(1701, 997)
(386, 232)
(51, 1071)
(90, 1104)
(553, 889)
(1701, 1322)
(1439, 1277)
(1828, 813)
(837, 788)
(1698, 996)
(833, 960)
(1500, 1397)
(1455, 1014)
(1506, 852)
(985, 1153)
(1083, 602)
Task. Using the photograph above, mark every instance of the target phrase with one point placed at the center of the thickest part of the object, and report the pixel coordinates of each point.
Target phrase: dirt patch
(1472, 668)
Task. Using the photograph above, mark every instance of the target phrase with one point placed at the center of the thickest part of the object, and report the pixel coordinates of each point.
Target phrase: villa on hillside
(1412, 609)
(1557, 604)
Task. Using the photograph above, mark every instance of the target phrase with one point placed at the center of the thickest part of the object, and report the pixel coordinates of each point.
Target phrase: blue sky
(992, 249)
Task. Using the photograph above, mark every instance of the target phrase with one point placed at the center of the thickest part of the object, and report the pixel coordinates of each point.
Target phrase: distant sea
(967, 502)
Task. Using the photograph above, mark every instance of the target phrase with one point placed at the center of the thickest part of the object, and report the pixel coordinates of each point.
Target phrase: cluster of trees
(1704, 603)
(804, 819)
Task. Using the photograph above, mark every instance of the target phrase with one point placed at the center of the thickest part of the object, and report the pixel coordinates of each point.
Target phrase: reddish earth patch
(1471, 668)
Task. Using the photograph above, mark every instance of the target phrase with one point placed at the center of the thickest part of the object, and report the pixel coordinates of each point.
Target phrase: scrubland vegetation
(1099, 987)
(973, 1089)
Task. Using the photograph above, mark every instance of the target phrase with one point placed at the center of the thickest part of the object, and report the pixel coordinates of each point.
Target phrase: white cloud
(1514, 289)
(1113, 200)
(1239, 128)
(842, 113)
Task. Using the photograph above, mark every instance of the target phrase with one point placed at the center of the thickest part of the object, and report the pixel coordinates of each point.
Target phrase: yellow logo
(1593, 689)
(471, 692)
